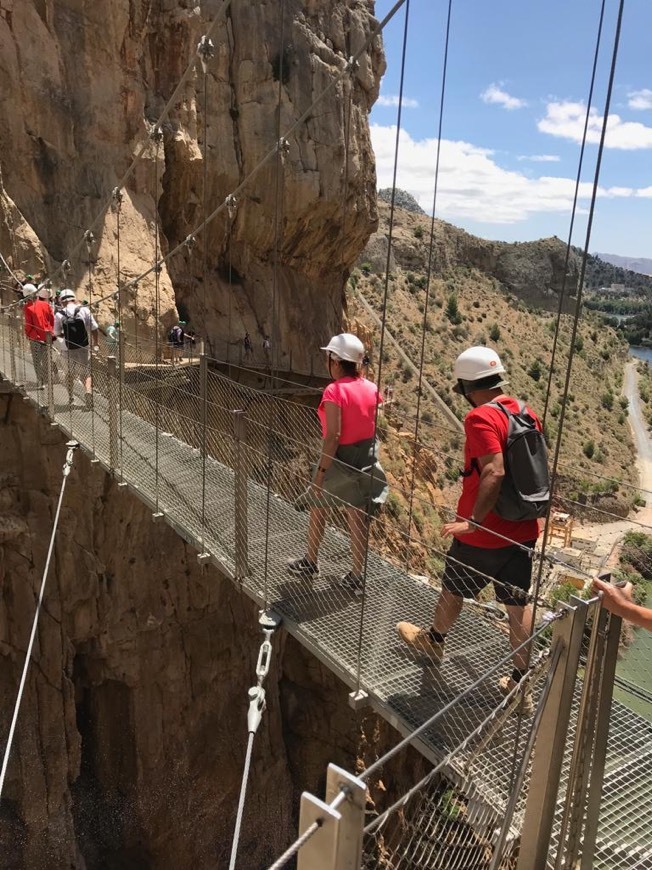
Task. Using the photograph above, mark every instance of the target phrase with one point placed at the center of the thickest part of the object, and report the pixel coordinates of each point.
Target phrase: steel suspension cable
(118, 197)
(428, 279)
(278, 198)
(67, 466)
(382, 330)
(578, 179)
(157, 138)
(575, 323)
(89, 238)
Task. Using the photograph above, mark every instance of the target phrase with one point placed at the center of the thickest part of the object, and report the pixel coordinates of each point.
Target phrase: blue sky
(515, 102)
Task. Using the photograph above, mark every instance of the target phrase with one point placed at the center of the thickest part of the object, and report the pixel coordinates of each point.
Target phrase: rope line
(424, 321)
(72, 446)
(578, 179)
(382, 328)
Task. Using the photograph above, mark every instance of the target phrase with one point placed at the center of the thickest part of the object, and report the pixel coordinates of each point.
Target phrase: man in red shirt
(485, 546)
(39, 328)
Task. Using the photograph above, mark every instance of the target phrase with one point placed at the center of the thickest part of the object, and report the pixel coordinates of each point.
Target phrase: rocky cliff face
(82, 85)
(132, 733)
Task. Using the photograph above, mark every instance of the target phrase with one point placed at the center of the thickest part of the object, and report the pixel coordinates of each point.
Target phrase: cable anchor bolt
(231, 204)
(257, 706)
(283, 148)
(205, 50)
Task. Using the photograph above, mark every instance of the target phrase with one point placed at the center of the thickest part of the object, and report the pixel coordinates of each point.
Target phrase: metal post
(203, 396)
(612, 625)
(112, 373)
(241, 517)
(12, 347)
(550, 742)
(50, 362)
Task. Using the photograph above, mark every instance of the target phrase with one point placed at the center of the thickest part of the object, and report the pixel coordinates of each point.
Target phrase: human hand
(615, 598)
(457, 528)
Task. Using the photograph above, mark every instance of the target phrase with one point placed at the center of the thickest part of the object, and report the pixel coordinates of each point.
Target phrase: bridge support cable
(157, 139)
(282, 151)
(579, 298)
(269, 622)
(424, 322)
(67, 467)
(121, 318)
(578, 179)
(331, 830)
(357, 695)
(205, 51)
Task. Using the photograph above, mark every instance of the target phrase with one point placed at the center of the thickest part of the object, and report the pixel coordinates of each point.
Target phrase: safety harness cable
(269, 622)
(67, 467)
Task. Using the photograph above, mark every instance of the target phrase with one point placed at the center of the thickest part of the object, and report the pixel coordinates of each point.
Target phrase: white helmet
(44, 292)
(346, 347)
(66, 294)
(29, 289)
(475, 365)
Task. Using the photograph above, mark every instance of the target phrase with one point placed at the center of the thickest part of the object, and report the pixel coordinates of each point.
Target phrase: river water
(636, 664)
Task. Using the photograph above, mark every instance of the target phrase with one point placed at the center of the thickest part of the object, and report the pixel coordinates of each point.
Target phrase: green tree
(494, 332)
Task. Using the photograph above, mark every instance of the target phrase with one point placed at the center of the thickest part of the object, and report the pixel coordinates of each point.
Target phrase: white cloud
(540, 158)
(640, 99)
(471, 185)
(566, 120)
(393, 100)
(495, 94)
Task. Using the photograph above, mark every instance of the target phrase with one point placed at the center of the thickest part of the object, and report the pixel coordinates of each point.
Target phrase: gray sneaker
(303, 567)
(351, 583)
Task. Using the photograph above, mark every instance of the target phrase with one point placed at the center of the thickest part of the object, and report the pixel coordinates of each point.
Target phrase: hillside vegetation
(504, 296)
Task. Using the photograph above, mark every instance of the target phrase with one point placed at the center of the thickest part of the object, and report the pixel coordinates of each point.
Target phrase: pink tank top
(357, 399)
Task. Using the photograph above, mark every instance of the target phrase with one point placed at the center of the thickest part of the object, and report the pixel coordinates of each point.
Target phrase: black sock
(436, 637)
(517, 675)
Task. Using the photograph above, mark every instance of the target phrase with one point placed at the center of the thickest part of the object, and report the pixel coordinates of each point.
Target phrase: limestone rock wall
(83, 82)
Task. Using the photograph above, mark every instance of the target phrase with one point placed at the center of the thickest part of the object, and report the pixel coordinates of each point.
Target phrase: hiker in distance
(348, 473)
(505, 488)
(75, 324)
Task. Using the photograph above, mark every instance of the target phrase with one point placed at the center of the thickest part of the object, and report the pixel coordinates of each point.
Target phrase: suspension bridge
(222, 463)
(247, 525)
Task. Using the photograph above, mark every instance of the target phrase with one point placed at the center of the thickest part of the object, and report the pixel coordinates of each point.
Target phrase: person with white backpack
(76, 326)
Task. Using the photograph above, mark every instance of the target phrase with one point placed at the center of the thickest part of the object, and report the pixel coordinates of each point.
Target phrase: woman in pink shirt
(348, 473)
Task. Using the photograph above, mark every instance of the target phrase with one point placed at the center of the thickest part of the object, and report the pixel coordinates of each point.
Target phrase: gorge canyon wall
(84, 82)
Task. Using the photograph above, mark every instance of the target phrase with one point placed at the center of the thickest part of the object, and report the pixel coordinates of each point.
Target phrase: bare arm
(619, 601)
(492, 472)
(329, 444)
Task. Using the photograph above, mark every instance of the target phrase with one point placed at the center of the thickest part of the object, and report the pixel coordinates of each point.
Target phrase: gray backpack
(525, 491)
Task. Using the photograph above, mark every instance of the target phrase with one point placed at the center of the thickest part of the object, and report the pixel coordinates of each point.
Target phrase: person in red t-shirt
(39, 327)
(348, 473)
(484, 544)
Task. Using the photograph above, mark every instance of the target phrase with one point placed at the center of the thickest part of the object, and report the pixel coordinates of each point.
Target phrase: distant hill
(643, 265)
(402, 199)
(600, 273)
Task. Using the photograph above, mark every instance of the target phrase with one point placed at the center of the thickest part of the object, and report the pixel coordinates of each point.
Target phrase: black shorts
(511, 566)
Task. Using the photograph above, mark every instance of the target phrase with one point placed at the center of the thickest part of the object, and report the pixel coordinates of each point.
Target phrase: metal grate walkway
(355, 639)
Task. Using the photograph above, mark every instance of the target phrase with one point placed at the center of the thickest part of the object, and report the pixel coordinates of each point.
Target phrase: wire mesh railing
(204, 453)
